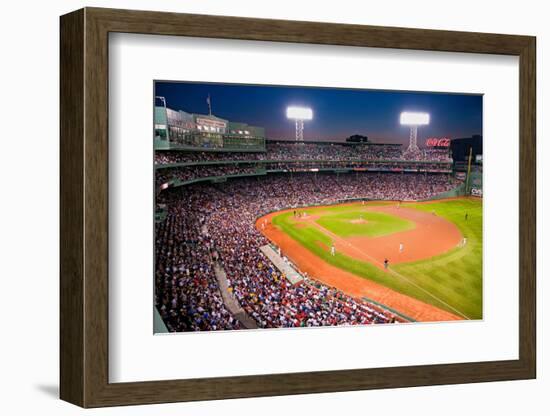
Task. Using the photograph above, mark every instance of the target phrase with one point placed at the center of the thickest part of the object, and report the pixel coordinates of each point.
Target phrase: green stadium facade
(178, 130)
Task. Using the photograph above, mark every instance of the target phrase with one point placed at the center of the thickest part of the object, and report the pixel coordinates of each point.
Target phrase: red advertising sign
(438, 142)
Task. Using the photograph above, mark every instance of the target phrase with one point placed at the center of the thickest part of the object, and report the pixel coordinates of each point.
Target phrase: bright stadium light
(299, 114)
(413, 120)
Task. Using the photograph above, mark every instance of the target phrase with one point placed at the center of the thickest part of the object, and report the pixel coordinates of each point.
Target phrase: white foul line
(336, 237)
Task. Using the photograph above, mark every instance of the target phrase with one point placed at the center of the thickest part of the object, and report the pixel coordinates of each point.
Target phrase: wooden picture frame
(84, 207)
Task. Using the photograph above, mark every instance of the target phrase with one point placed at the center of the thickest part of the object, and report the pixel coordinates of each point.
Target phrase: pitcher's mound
(359, 221)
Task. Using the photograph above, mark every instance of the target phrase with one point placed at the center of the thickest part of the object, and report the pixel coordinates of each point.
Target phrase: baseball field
(421, 259)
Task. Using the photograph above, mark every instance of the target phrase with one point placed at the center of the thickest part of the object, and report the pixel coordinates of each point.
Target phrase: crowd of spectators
(429, 154)
(187, 173)
(309, 151)
(302, 166)
(192, 172)
(331, 151)
(186, 290)
(435, 154)
(215, 223)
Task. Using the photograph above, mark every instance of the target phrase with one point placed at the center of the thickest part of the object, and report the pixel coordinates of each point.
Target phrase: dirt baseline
(431, 236)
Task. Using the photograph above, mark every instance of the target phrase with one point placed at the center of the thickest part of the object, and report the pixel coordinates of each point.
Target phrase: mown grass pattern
(453, 278)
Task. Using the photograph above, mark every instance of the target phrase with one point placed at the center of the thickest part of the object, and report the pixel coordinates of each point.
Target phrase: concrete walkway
(230, 302)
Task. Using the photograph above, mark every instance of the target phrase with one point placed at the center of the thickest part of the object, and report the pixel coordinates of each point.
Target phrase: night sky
(337, 113)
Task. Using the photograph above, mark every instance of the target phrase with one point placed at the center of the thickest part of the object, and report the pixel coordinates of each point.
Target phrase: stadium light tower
(413, 120)
(299, 114)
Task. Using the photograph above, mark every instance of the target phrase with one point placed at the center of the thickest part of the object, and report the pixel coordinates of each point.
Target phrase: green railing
(173, 183)
(158, 324)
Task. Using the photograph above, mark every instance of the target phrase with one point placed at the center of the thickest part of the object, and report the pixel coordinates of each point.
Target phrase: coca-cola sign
(438, 142)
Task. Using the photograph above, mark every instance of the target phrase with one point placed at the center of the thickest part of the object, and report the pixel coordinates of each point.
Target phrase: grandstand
(176, 168)
(211, 199)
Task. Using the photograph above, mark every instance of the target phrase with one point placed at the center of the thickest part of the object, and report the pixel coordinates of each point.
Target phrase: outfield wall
(453, 193)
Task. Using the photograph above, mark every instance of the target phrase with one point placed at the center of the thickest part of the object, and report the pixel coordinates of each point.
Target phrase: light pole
(161, 99)
(299, 114)
(413, 120)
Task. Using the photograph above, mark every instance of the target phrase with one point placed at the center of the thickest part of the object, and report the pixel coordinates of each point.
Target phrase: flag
(209, 104)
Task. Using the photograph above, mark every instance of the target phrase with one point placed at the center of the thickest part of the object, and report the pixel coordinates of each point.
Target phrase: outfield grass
(453, 277)
(457, 274)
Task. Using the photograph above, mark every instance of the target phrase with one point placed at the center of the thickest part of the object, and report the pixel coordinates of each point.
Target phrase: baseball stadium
(259, 232)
